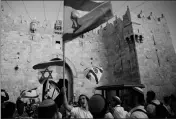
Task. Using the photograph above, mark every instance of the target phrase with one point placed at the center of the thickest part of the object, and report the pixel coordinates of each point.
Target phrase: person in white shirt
(108, 115)
(77, 112)
(138, 111)
(118, 110)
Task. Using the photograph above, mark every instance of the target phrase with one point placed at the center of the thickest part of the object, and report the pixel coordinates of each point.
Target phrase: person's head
(138, 96)
(4, 96)
(83, 101)
(47, 109)
(98, 106)
(2, 99)
(150, 96)
(167, 100)
(115, 101)
(8, 110)
(20, 106)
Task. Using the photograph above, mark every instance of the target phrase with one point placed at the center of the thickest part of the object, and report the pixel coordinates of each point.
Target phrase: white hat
(138, 90)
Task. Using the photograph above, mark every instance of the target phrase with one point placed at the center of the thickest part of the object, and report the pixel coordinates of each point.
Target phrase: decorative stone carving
(58, 27)
(33, 26)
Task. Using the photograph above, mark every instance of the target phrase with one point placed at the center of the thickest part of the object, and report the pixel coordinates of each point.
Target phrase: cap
(117, 99)
(47, 109)
(138, 90)
(97, 105)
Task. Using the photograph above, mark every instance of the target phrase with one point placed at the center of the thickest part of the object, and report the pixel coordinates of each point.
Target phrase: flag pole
(63, 51)
(63, 64)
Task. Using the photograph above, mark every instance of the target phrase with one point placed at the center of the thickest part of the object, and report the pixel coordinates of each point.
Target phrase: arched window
(132, 38)
(141, 39)
(136, 38)
(128, 40)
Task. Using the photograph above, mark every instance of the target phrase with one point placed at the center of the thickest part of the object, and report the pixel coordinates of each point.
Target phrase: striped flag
(82, 16)
(94, 73)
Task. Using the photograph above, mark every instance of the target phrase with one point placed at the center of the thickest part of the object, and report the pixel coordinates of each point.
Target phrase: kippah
(138, 90)
(117, 98)
(47, 109)
(46, 103)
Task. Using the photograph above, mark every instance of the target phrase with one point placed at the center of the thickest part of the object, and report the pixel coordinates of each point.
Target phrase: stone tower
(151, 49)
(132, 36)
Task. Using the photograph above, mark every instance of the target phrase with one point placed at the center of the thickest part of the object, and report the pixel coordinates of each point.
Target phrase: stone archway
(69, 63)
(70, 72)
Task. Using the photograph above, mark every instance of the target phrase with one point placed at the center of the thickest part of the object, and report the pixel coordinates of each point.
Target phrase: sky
(53, 10)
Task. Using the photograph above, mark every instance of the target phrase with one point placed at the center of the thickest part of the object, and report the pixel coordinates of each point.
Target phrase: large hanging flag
(81, 16)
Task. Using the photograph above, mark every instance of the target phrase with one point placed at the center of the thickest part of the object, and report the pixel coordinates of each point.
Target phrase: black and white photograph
(63, 59)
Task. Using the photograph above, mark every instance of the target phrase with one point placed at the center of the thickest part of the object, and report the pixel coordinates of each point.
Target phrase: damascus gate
(134, 49)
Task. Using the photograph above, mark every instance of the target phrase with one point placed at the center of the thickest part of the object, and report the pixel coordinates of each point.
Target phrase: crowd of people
(150, 107)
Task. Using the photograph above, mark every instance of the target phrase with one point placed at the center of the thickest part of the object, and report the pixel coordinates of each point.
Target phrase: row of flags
(81, 16)
(52, 89)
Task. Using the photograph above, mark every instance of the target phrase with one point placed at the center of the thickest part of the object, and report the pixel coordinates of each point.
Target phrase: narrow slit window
(57, 42)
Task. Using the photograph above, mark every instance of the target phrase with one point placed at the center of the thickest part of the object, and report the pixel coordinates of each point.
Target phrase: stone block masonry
(124, 60)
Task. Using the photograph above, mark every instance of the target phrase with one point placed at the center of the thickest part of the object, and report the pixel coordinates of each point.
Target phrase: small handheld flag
(93, 73)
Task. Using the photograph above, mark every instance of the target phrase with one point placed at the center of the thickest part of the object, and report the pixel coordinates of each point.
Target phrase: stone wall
(156, 56)
(19, 53)
(104, 46)
(157, 59)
